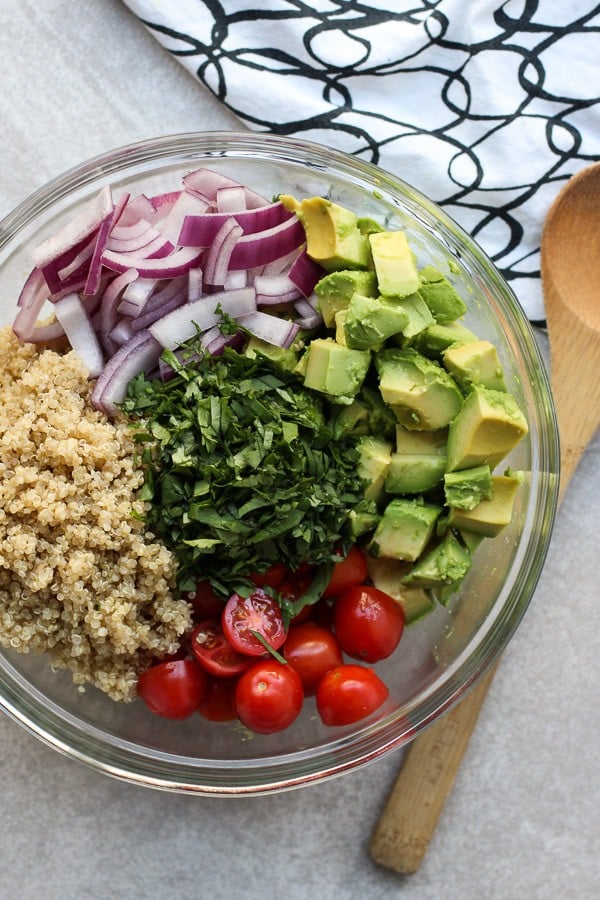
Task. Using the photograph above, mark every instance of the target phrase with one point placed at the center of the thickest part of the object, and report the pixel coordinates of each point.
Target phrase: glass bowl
(441, 656)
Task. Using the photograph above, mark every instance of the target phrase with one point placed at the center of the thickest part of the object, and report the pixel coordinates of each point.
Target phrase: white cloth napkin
(488, 107)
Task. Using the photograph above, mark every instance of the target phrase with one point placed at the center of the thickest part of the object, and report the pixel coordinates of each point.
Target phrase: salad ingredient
(394, 262)
(368, 623)
(333, 238)
(272, 578)
(421, 393)
(173, 689)
(351, 570)
(335, 370)
(241, 468)
(489, 517)
(405, 529)
(475, 364)
(312, 651)
(205, 602)
(214, 652)
(252, 621)
(487, 427)
(80, 577)
(348, 694)
(218, 702)
(441, 297)
(269, 696)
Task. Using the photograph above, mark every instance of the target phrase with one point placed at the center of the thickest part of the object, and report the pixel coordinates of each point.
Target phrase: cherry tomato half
(205, 602)
(272, 577)
(173, 689)
(349, 693)
(368, 623)
(268, 696)
(218, 704)
(214, 652)
(293, 587)
(312, 651)
(349, 571)
(257, 612)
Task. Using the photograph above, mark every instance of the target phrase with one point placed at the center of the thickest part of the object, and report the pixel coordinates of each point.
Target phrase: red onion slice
(73, 317)
(220, 251)
(183, 323)
(258, 249)
(177, 263)
(111, 299)
(305, 273)
(80, 227)
(201, 230)
(231, 199)
(274, 330)
(95, 270)
(195, 281)
(139, 354)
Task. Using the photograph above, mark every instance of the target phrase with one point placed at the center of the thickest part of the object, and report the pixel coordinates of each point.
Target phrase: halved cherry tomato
(349, 693)
(349, 571)
(368, 623)
(214, 652)
(258, 612)
(272, 577)
(205, 602)
(293, 587)
(312, 651)
(173, 689)
(268, 696)
(218, 703)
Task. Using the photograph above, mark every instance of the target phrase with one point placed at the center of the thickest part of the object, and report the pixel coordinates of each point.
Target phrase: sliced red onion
(76, 263)
(95, 270)
(281, 265)
(187, 204)
(153, 312)
(219, 253)
(207, 182)
(272, 329)
(122, 332)
(305, 273)
(162, 292)
(139, 354)
(138, 291)
(214, 341)
(140, 207)
(80, 227)
(73, 317)
(49, 331)
(231, 199)
(64, 263)
(31, 300)
(132, 237)
(183, 323)
(275, 289)
(195, 281)
(201, 230)
(111, 299)
(268, 245)
(236, 278)
(177, 263)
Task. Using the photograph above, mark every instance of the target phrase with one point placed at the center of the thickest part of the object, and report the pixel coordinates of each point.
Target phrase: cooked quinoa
(79, 577)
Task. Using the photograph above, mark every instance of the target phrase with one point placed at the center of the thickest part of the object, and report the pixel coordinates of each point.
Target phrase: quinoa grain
(80, 579)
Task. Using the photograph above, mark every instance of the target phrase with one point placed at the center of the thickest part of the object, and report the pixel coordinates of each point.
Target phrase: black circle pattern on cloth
(487, 107)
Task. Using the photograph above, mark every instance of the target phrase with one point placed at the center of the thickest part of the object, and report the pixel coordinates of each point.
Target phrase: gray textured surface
(522, 822)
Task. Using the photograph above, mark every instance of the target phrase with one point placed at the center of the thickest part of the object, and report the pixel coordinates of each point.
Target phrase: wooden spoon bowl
(570, 261)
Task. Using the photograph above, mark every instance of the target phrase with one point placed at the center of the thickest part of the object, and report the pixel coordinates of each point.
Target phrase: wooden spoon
(570, 262)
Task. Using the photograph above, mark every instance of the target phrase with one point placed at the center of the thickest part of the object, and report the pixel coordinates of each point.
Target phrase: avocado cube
(404, 529)
(333, 238)
(394, 263)
(362, 519)
(429, 443)
(421, 393)
(335, 370)
(446, 564)
(419, 318)
(382, 420)
(440, 296)
(413, 473)
(489, 517)
(436, 338)
(468, 487)
(487, 427)
(475, 364)
(285, 358)
(373, 464)
(368, 321)
(368, 226)
(387, 575)
(352, 419)
(335, 290)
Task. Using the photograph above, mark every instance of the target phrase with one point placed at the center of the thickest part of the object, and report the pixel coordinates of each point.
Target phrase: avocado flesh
(475, 364)
(412, 473)
(394, 263)
(368, 321)
(419, 318)
(387, 575)
(362, 519)
(433, 340)
(404, 529)
(335, 370)
(489, 517)
(373, 464)
(443, 301)
(333, 238)
(468, 487)
(487, 427)
(445, 564)
(286, 358)
(335, 290)
(429, 443)
(421, 393)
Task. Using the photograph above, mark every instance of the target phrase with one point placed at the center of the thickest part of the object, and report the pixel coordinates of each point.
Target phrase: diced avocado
(404, 529)
(394, 263)
(368, 226)
(471, 540)
(475, 364)
(468, 487)
(445, 564)
(335, 370)
(419, 318)
(340, 331)
(382, 420)
(335, 290)
(373, 464)
(387, 575)
(440, 296)
(414, 473)
(333, 238)
(489, 517)
(286, 358)
(368, 321)
(429, 443)
(352, 419)
(422, 394)
(434, 339)
(362, 519)
(487, 427)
